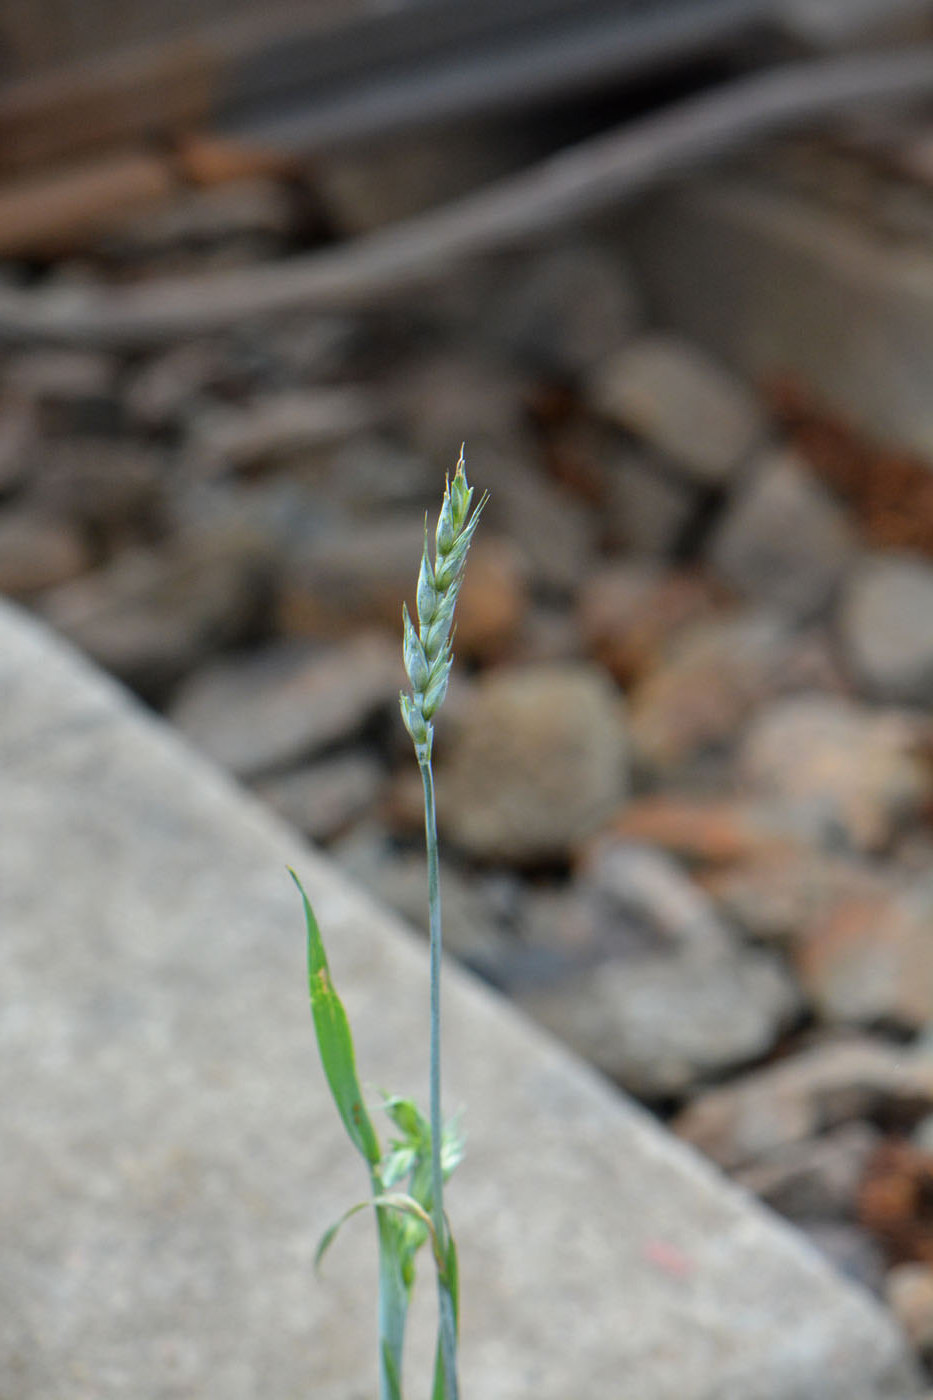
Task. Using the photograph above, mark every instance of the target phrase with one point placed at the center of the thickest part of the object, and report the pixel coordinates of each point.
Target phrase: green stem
(393, 1302)
(446, 1313)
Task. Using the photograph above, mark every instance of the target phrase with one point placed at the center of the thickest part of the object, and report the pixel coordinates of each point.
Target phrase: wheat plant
(407, 1177)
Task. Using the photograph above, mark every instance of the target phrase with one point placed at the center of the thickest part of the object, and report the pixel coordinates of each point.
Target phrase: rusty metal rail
(433, 63)
(321, 80)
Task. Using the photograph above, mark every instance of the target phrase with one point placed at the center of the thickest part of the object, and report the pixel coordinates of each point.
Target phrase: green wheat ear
(427, 654)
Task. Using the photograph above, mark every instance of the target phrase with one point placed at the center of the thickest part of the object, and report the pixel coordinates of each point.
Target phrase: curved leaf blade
(330, 1234)
(335, 1042)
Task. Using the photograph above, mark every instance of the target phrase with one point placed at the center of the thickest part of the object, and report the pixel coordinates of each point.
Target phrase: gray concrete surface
(169, 1156)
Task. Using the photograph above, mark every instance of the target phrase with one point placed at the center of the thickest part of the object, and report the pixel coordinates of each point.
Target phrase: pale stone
(287, 701)
(661, 1025)
(886, 621)
(784, 541)
(540, 761)
(857, 767)
(563, 309)
(682, 402)
(771, 1109)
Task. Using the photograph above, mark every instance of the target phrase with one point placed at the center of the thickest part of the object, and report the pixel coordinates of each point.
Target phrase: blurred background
(667, 270)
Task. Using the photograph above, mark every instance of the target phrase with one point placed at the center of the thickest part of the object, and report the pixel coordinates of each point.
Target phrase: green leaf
(407, 1205)
(335, 1042)
(452, 1276)
(453, 1144)
(330, 1235)
(439, 1389)
(397, 1164)
(406, 1115)
(390, 1373)
(450, 1282)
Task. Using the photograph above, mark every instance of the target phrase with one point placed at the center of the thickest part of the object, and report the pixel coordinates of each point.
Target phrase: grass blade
(390, 1374)
(330, 1235)
(335, 1042)
(449, 1284)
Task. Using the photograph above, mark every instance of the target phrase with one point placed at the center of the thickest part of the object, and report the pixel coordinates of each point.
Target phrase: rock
(716, 831)
(164, 390)
(575, 448)
(554, 530)
(782, 891)
(165, 1114)
(812, 664)
(815, 1179)
(628, 614)
(894, 1199)
(783, 541)
(909, 1293)
(640, 900)
(286, 701)
(323, 798)
(493, 600)
(371, 473)
(661, 1025)
(276, 426)
(113, 487)
(564, 927)
(704, 687)
(541, 760)
(771, 279)
(67, 388)
(854, 766)
(647, 509)
(850, 1249)
(307, 347)
(253, 212)
(922, 1135)
(869, 958)
(282, 516)
(37, 553)
(813, 1091)
(682, 403)
(18, 438)
(887, 489)
(564, 309)
(354, 574)
(446, 399)
(549, 634)
(399, 879)
(624, 901)
(886, 624)
(150, 618)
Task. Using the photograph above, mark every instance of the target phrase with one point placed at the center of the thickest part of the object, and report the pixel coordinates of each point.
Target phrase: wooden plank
(157, 90)
(105, 103)
(48, 215)
(337, 70)
(59, 213)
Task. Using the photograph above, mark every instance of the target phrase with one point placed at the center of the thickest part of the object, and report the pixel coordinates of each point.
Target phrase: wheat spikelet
(427, 651)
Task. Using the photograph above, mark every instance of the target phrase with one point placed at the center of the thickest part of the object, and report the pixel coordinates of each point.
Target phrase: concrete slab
(169, 1155)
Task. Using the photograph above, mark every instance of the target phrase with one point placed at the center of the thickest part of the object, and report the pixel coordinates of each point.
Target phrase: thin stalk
(447, 1321)
(393, 1302)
